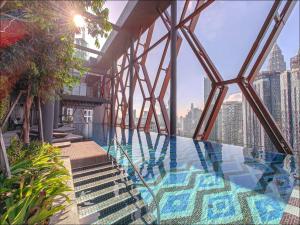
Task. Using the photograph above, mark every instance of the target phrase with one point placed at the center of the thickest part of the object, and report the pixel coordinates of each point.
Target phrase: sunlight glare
(79, 21)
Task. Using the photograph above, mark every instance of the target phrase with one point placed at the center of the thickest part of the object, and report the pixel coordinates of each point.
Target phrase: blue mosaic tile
(231, 167)
(175, 162)
(220, 208)
(209, 181)
(244, 183)
(176, 179)
(266, 209)
(262, 167)
(177, 204)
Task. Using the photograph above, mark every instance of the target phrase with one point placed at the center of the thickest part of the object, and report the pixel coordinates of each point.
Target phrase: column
(131, 90)
(173, 82)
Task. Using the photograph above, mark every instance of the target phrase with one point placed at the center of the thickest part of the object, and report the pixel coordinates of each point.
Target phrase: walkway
(85, 153)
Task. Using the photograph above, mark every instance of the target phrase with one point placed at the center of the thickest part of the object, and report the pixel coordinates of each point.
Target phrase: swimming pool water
(206, 183)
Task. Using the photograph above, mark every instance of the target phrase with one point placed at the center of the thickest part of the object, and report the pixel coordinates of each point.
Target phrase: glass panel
(277, 83)
(227, 30)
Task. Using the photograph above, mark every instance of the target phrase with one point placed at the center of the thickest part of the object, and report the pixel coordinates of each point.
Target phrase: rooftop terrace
(164, 112)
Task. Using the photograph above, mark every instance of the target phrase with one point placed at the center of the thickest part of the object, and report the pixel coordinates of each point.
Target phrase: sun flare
(79, 21)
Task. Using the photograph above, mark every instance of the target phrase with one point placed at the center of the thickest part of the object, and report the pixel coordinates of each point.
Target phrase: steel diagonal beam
(166, 20)
(124, 98)
(152, 109)
(152, 94)
(198, 55)
(137, 70)
(245, 84)
(215, 111)
(280, 21)
(265, 118)
(198, 134)
(259, 38)
(124, 102)
(195, 14)
(151, 100)
(118, 88)
(204, 55)
(206, 120)
(146, 76)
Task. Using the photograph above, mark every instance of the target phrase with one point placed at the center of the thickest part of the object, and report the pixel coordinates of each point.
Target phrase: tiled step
(88, 210)
(85, 168)
(98, 176)
(146, 219)
(118, 187)
(119, 215)
(97, 169)
(100, 183)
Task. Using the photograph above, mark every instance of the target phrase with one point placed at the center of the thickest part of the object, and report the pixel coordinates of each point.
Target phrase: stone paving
(84, 154)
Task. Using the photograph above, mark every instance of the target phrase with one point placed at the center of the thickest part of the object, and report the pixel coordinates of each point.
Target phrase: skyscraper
(295, 99)
(267, 86)
(232, 123)
(286, 106)
(276, 60)
(190, 121)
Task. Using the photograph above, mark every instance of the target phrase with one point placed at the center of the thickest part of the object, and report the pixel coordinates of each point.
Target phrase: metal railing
(138, 173)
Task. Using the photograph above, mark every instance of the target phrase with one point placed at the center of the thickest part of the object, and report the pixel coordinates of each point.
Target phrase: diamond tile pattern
(209, 183)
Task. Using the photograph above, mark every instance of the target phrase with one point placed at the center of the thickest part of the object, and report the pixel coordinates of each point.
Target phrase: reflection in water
(173, 153)
(178, 167)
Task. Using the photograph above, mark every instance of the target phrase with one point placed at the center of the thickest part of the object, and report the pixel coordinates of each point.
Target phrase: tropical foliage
(38, 178)
(41, 63)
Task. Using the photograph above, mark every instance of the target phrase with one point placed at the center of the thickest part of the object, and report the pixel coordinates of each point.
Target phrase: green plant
(40, 63)
(38, 178)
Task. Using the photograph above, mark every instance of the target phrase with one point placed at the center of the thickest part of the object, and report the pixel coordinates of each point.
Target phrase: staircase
(106, 195)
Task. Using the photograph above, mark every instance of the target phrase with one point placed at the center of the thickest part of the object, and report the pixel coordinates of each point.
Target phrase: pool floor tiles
(207, 183)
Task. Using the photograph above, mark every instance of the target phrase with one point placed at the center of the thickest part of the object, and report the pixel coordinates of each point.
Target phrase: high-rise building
(286, 106)
(267, 86)
(232, 123)
(276, 60)
(216, 132)
(82, 42)
(190, 121)
(295, 99)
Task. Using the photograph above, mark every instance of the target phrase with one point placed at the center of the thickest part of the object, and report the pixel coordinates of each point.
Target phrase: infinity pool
(204, 182)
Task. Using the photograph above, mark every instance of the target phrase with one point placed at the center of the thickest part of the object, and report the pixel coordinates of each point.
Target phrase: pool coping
(291, 213)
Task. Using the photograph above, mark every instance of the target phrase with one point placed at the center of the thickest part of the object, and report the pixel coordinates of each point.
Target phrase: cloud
(234, 97)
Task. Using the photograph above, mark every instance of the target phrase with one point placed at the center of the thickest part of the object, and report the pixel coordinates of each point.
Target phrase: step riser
(98, 187)
(116, 206)
(131, 218)
(108, 195)
(101, 177)
(92, 166)
(94, 171)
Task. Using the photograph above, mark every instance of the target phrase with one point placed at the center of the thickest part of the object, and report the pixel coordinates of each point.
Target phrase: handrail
(140, 176)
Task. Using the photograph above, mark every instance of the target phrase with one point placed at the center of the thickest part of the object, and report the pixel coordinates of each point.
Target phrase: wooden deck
(85, 153)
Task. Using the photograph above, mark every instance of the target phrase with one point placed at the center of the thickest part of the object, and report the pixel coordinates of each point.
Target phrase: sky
(226, 30)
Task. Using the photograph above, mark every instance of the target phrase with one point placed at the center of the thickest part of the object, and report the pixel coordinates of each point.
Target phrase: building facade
(267, 85)
(295, 99)
(190, 121)
(286, 106)
(232, 123)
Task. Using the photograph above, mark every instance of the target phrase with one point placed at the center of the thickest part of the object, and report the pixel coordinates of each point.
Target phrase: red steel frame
(187, 25)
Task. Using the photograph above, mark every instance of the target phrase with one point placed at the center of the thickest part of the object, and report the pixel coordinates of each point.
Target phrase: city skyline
(225, 46)
(279, 90)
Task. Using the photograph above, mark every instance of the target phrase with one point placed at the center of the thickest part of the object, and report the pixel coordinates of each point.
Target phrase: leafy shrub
(38, 178)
